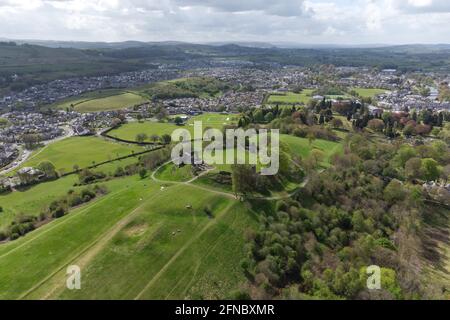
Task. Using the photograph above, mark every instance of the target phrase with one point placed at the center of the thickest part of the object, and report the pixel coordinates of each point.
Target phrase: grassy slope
(136, 257)
(81, 151)
(291, 97)
(113, 99)
(301, 146)
(130, 130)
(114, 102)
(171, 172)
(369, 93)
(33, 200)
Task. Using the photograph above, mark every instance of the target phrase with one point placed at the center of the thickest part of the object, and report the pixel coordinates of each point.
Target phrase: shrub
(59, 212)
(3, 235)
(14, 236)
(208, 211)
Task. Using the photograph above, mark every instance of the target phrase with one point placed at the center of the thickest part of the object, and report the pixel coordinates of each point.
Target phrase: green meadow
(369, 93)
(145, 239)
(134, 243)
(104, 100)
(114, 102)
(130, 130)
(81, 151)
(114, 99)
(32, 200)
(303, 148)
(290, 97)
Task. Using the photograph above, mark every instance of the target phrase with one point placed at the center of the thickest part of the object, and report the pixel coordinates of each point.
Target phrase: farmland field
(369, 93)
(290, 97)
(81, 151)
(104, 101)
(130, 130)
(114, 99)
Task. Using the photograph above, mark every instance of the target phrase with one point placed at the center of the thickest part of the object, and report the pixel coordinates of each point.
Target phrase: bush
(208, 211)
(75, 201)
(14, 236)
(3, 235)
(58, 213)
(87, 194)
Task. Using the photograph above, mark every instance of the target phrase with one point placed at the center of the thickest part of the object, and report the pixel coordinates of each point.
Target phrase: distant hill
(24, 65)
(55, 59)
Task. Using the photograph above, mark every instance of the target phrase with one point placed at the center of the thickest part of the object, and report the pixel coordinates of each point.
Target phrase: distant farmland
(210, 120)
(290, 97)
(103, 101)
(369, 93)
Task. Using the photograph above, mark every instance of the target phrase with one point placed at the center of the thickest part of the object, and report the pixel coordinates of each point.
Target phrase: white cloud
(307, 21)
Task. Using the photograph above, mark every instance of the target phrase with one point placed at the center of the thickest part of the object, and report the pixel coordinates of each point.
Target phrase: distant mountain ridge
(249, 44)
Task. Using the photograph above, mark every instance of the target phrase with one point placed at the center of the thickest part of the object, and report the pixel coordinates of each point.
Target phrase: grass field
(113, 99)
(301, 146)
(81, 151)
(290, 97)
(33, 200)
(138, 242)
(103, 101)
(130, 130)
(369, 93)
(171, 172)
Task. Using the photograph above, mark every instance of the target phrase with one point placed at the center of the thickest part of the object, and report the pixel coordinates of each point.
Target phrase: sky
(201, 21)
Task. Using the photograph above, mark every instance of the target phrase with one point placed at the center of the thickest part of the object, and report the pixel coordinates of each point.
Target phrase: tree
(423, 129)
(48, 168)
(142, 173)
(430, 169)
(336, 123)
(116, 122)
(413, 168)
(141, 137)
(394, 191)
(178, 121)
(269, 117)
(286, 112)
(408, 130)
(258, 116)
(376, 125)
(166, 138)
(154, 138)
(405, 153)
(243, 178)
(30, 140)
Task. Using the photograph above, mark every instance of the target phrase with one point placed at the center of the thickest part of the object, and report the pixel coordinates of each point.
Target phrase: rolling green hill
(80, 151)
(133, 243)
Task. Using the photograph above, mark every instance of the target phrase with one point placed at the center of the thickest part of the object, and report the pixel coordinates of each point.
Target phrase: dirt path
(189, 182)
(56, 224)
(182, 249)
(87, 255)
